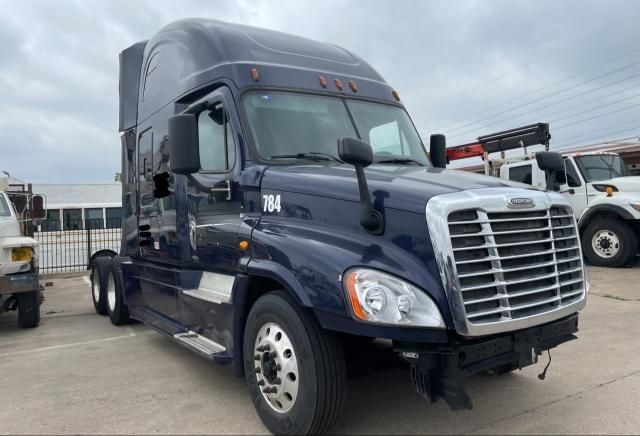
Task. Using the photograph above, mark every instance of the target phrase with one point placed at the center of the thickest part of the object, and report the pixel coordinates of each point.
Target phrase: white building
(78, 206)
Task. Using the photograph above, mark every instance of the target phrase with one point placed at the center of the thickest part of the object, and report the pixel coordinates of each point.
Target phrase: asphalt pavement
(76, 373)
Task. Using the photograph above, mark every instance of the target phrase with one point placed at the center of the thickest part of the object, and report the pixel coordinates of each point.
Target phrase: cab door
(156, 230)
(574, 188)
(215, 214)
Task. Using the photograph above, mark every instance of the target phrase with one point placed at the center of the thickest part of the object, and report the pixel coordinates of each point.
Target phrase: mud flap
(432, 380)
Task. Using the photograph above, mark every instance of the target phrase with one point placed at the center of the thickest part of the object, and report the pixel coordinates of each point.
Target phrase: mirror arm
(370, 218)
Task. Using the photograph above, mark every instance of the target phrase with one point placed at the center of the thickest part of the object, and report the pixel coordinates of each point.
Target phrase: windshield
(300, 126)
(5, 210)
(599, 167)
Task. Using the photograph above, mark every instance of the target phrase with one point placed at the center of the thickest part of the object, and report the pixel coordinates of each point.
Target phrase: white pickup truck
(605, 200)
(19, 286)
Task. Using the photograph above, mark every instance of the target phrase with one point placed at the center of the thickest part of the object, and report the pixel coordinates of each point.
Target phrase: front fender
(310, 257)
(620, 208)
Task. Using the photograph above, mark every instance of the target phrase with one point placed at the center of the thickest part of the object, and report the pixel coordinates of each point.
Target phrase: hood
(624, 184)
(399, 187)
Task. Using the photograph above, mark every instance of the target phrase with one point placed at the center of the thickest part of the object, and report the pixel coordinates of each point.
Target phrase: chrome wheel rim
(95, 286)
(605, 243)
(276, 367)
(111, 293)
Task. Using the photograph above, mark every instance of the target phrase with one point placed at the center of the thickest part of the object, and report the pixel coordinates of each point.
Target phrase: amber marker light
(254, 74)
(395, 95)
(338, 84)
(244, 245)
(609, 191)
(323, 81)
(353, 86)
(353, 297)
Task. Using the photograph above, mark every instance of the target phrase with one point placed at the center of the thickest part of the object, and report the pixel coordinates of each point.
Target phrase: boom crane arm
(533, 134)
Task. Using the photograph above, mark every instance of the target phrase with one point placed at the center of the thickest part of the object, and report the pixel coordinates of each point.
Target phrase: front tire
(116, 308)
(295, 370)
(28, 309)
(609, 243)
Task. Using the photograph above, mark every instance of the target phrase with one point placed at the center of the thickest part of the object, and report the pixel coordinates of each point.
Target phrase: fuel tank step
(200, 344)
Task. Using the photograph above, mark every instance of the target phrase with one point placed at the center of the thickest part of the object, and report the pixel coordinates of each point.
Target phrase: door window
(521, 174)
(573, 179)
(217, 145)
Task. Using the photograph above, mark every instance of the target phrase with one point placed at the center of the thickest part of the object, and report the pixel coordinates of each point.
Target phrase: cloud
(453, 63)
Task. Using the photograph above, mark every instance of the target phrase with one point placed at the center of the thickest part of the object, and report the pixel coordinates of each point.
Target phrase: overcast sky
(464, 68)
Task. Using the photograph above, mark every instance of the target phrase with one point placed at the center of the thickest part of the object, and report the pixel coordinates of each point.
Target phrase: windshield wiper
(313, 155)
(400, 160)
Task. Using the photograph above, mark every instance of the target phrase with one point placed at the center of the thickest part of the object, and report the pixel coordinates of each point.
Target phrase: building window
(114, 217)
(93, 218)
(72, 219)
(52, 222)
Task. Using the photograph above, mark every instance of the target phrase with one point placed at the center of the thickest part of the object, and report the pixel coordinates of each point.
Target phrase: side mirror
(183, 138)
(359, 154)
(355, 152)
(438, 150)
(551, 163)
(38, 212)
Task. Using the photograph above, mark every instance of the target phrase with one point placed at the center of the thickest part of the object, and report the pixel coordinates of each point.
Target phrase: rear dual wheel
(116, 308)
(295, 370)
(99, 271)
(107, 289)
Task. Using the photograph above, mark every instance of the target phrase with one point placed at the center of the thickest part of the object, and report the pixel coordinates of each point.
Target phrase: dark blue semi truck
(279, 204)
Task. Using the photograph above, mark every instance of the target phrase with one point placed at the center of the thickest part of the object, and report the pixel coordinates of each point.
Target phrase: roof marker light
(338, 84)
(395, 95)
(353, 86)
(323, 81)
(254, 74)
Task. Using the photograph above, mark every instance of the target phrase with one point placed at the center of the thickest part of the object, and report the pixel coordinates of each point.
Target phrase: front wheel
(295, 370)
(28, 309)
(610, 243)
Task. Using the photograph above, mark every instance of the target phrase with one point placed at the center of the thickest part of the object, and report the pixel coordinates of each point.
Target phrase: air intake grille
(512, 265)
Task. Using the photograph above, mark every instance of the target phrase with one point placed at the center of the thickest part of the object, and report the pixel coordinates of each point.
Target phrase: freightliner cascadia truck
(278, 202)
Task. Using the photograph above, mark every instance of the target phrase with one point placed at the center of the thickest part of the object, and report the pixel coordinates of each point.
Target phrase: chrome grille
(515, 264)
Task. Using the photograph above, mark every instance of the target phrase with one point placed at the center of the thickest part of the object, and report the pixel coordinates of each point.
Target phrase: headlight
(21, 254)
(380, 298)
(636, 206)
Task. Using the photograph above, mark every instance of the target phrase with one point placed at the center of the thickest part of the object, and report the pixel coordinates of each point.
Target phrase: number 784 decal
(271, 203)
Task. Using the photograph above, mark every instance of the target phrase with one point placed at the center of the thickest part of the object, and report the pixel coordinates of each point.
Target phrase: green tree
(118, 177)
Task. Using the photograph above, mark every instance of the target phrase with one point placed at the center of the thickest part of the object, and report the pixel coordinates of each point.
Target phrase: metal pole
(88, 224)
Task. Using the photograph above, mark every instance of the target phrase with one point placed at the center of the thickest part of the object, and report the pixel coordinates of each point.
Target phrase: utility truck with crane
(19, 285)
(604, 195)
(278, 203)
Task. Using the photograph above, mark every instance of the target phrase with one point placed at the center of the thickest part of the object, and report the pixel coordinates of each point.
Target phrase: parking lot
(77, 373)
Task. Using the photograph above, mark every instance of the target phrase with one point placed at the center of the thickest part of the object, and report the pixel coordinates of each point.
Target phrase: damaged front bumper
(438, 371)
(16, 283)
